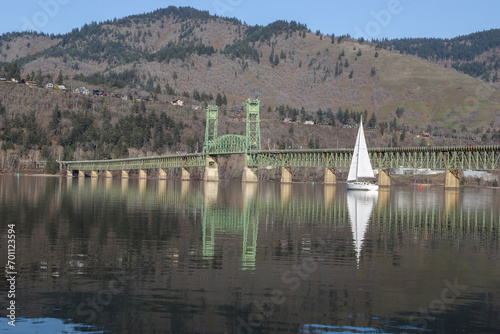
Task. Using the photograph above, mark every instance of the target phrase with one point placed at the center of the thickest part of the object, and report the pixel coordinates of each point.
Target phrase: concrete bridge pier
(94, 174)
(186, 175)
(125, 174)
(384, 179)
(211, 170)
(286, 175)
(143, 174)
(108, 174)
(330, 177)
(81, 173)
(452, 180)
(162, 174)
(69, 173)
(249, 175)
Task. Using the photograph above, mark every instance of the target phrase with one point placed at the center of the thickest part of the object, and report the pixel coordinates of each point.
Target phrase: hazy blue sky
(367, 18)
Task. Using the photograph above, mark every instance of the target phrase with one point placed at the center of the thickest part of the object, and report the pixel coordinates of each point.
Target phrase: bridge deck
(484, 158)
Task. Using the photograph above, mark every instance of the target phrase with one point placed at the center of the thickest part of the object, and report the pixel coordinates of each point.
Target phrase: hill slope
(189, 54)
(183, 50)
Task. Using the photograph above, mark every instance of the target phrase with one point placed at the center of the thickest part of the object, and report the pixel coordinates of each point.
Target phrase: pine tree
(218, 100)
(372, 122)
(60, 78)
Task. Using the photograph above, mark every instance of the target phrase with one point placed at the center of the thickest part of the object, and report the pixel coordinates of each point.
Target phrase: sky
(371, 19)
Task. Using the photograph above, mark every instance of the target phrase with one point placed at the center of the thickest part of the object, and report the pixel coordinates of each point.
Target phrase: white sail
(360, 205)
(360, 164)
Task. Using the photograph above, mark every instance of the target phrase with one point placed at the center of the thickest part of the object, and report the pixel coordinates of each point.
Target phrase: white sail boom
(360, 165)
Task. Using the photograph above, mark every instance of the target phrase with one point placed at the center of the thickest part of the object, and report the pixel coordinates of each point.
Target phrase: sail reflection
(360, 206)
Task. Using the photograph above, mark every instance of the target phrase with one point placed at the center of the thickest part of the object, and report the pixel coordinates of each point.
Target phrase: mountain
(186, 50)
(185, 53)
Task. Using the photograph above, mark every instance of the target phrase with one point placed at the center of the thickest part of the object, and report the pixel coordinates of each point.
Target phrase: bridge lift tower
(211, 127)
(253, 125)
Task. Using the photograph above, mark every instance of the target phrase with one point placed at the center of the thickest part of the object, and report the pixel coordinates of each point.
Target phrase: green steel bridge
(449, 158)
(481, 158)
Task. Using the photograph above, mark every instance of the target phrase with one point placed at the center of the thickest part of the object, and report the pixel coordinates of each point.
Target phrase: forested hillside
(114, 81)
(477, 54)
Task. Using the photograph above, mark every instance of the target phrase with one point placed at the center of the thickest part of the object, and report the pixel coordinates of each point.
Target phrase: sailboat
(361, 168)
(360, 206)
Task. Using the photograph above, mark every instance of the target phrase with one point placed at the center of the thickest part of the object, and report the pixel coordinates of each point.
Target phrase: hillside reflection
(194, 257)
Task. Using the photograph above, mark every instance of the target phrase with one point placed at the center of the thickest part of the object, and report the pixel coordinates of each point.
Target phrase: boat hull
(365, 186)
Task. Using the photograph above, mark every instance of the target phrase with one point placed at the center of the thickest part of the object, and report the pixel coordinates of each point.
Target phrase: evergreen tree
(372, 122)
(224, 99)
(60, 79)
(158, 89)
(13, 72)
(218, 100)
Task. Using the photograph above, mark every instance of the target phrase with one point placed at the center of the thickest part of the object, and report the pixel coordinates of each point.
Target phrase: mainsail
(360, 164)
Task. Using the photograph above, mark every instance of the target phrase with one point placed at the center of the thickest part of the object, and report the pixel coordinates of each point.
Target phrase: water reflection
(360, 205)
(201, 257)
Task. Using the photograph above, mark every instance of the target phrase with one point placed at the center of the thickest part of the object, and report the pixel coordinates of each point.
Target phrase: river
(150, 256)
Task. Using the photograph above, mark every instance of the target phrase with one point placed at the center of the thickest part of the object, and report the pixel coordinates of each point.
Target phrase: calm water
(136, 256)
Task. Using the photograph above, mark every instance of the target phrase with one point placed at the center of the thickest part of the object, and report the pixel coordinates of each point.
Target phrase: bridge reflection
(247, 212)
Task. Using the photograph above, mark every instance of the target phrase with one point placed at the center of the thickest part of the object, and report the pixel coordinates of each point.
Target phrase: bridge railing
(437, 158)
(165, 161)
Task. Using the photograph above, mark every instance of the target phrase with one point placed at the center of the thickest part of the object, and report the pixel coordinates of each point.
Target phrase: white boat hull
(362, 186)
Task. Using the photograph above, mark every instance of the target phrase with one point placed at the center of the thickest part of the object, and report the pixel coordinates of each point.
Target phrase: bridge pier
(330, 177)
(186, 175)
(162, 174)
(81, 173)
(211, 170)
(384, 180)
(249, 175)
(286, 175)
(94, 174)
(125, 174)
(143, 174)
(108, 174)
(69, 173)
(452, 180)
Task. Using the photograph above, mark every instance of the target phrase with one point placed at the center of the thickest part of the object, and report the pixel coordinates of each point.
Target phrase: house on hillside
(309, 122)
(425, 134)
(49, 85)
(61, 87)
(177, 102)
(2, 78)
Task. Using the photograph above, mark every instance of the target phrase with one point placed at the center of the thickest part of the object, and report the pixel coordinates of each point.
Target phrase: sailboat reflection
(360, 205)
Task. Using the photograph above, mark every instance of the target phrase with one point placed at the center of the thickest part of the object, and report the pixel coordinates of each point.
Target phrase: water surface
(132, 256)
